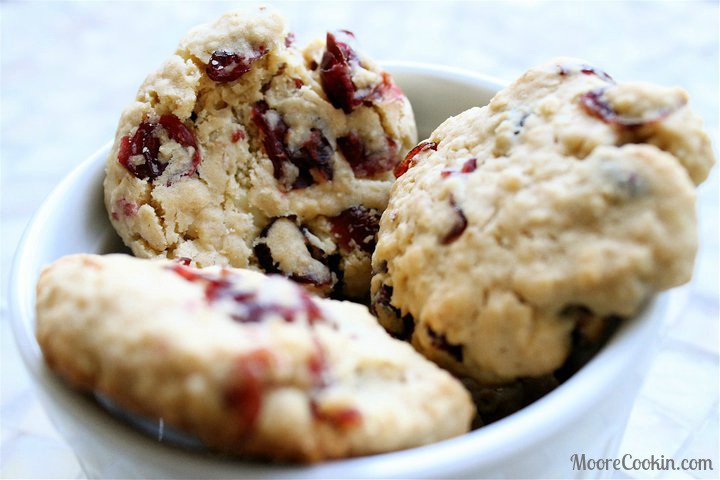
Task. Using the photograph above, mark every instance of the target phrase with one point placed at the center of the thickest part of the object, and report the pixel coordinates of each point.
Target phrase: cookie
(250, 364)
(566, 202)
(243, 150)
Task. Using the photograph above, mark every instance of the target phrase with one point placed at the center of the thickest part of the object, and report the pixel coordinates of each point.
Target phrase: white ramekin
(587, 414)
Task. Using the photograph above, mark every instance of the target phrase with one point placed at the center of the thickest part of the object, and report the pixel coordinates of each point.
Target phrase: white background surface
(67, 70)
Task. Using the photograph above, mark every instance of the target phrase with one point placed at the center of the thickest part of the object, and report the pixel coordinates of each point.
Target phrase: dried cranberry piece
(458, 227)
(128, 209)
(385, 91)
(143, 143)
(586, 70)
(146, 142)
(336, 76)
(226, 66)
(272, 136)
(189, 274)
(314, 160)
(315, 157)
(237, 135)
(312, 310)
(342, 418)
(183, 261)
(289, 39)
(317, 364)
(468, 167)
(439, 341)
(408, 162)
(595, 104)
(246, 392)
(590, 70)
(177, 130)
(352, 149)
(222, 286)
(362, 164)
(356, 227)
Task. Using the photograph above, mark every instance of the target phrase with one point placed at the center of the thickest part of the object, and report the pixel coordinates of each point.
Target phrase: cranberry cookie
(564, 204)
(244, 150)
(250, 364)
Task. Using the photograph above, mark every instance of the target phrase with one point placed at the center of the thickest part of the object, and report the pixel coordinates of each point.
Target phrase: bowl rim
(486, 446)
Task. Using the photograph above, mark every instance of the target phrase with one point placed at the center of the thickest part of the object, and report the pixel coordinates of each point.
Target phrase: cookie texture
(250, 364)
(243, 150)
(520, 227)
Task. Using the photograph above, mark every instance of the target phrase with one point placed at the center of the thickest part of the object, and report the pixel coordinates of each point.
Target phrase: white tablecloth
(69, 68)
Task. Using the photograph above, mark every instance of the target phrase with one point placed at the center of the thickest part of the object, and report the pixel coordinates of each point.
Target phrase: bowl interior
(73, 219)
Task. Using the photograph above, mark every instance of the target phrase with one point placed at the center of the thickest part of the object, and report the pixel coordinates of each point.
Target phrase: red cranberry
(336, 74)
(317, 364)
(246, 393)
(408, 162)
(226, 67)
(594, 103)
(183, 261)
(468, 167)
(146, 142)
(564, 70)
(272, 136)
(128, 209)
(363, 164)
(237, 135)
(342, 418)
(459, 225)
(590, 70)
(314, 158)
(385, 91)
(352, 149)
(314, 161)
(312, 311)
(225, 286)
(355, 228)
(189, 274)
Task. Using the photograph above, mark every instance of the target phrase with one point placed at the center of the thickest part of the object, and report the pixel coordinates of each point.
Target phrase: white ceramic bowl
(587, 414)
